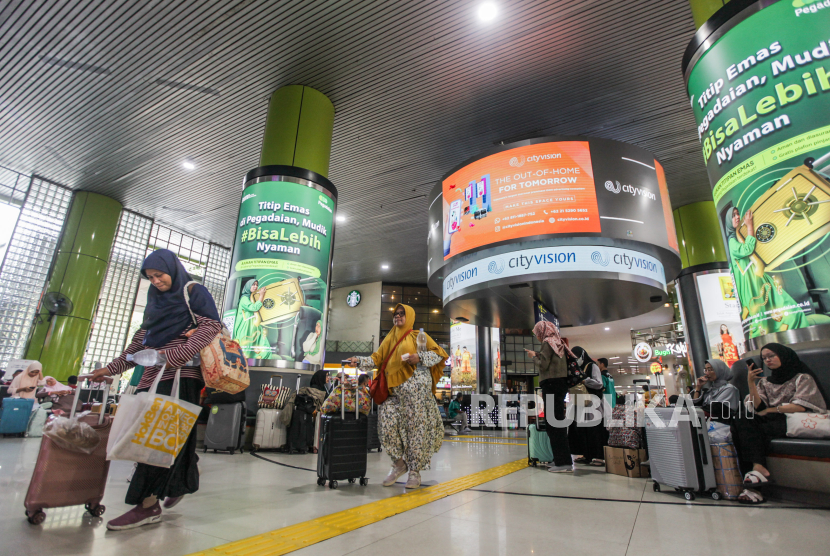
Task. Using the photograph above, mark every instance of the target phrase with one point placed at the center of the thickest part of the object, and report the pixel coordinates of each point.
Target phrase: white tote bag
(808, 425)
(151, 428)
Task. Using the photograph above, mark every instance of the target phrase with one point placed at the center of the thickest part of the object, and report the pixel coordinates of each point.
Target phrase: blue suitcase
(14, 418)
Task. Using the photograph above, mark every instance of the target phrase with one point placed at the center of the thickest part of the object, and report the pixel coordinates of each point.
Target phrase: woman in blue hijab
(168, 326)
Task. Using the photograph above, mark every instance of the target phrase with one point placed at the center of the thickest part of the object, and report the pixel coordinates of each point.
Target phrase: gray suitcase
(225, 430)
(680, 456)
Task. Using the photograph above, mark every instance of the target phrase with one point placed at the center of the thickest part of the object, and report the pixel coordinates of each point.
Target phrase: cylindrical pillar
(484, 359)
(59, 341)
(277, 294)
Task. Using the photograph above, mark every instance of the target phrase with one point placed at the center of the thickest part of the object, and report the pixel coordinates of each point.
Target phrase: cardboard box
(625, 462)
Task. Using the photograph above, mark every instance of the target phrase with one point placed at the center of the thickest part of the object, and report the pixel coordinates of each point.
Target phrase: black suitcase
(225, 430)
(301, 430)
(374, 434)
(343, 447)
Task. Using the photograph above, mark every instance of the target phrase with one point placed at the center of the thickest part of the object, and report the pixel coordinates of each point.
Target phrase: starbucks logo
(765, 233)
(268, 303)
(353, 298)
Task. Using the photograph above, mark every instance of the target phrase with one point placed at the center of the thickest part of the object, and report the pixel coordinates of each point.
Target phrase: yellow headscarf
(397, 371)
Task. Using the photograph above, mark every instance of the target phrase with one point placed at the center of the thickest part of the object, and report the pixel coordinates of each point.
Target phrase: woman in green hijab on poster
(246, 330)
(761, 296)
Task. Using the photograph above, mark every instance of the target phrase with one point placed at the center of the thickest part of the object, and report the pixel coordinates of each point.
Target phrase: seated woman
(714, 388)
(61, 396)
(790, 388)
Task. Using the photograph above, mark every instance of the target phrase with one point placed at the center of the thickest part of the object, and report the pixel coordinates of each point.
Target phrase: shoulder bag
(224, 366)
(379, 390)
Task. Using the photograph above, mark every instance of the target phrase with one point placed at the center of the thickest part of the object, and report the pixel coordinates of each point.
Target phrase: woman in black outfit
(169, 327)
(588, 441)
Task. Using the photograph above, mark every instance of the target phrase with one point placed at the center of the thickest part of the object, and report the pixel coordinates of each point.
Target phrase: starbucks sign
(353, 298)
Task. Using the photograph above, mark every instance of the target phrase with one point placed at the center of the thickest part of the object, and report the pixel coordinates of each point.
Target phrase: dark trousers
(183, 476)
(558, 388)
(752, 436)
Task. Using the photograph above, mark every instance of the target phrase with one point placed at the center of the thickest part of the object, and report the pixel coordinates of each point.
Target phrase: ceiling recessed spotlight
(607, 328)
(666, 304)
(341, 218)
(384, 267)
(487, 11)
(188, 164)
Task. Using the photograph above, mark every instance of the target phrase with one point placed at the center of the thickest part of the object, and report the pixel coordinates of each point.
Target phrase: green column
(298, 129)
(80, 267)
(702, 10)
(699, 234)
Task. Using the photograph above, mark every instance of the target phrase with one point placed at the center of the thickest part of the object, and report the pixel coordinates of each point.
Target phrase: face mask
(579, 360)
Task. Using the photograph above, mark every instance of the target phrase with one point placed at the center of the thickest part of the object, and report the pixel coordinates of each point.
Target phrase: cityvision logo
(600, 258)
(615, 187)
(809, 6)
(517, 162)
(452, 281)
(496, 267)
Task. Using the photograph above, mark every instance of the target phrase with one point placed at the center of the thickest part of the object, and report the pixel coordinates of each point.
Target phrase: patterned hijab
(547, 333)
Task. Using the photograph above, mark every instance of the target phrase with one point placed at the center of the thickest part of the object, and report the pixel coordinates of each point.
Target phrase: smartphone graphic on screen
(455, 216)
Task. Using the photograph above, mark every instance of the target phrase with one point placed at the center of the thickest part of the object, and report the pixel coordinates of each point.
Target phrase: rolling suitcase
(680, 456)
(374, 435)
(343, 446)
(225, 430)
(63, 478)
(270, 433)
(538, 442)
(15, 415)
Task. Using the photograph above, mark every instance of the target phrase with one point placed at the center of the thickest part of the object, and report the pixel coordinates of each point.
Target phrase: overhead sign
(761, 99)
(678, 349)
(575, 258)
(353, 298)
(642, 352)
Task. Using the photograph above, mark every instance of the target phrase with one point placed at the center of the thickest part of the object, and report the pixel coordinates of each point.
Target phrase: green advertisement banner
(761, 99)
(278, 287)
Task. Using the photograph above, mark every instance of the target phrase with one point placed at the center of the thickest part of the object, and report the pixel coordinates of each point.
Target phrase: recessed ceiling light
(384, 267)
(607, 328)
(487, 11)
(188, 164)
(666, 304)
(341, 218)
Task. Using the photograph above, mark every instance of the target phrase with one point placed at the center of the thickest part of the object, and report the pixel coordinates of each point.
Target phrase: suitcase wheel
(36, 518)
(364, 481)
(321, 481)
(205, 450)
(380, 450)
(656, 487)
(97, 511)
(689, 495)
(232, 452)
(351, 481)
(716, 495)
(333, 485)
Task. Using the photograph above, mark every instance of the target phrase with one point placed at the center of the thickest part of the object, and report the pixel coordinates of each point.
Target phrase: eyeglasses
(768, 357)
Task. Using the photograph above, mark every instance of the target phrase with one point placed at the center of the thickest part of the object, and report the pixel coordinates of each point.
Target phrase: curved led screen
(585, 187)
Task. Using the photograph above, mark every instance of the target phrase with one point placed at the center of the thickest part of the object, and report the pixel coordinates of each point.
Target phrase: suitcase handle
(271, 380)
(343, 400)
(108, 381)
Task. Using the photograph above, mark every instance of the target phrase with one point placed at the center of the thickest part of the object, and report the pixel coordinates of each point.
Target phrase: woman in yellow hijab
(409, 424)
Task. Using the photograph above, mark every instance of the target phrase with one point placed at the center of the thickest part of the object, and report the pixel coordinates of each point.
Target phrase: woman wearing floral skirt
(410, 425)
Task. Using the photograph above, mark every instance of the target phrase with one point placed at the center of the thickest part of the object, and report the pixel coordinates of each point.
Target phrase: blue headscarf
(166, 315)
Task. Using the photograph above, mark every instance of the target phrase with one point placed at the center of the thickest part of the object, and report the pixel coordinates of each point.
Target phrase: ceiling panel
(112, 96)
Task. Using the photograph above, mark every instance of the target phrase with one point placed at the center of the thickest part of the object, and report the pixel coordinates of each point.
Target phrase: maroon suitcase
(63, 478)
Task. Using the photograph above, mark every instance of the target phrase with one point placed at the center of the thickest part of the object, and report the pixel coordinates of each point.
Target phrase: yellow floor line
(301, 535)
(483, 442)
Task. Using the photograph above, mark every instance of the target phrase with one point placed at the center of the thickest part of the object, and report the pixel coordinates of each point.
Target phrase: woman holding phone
(790, 388)
(26, 383)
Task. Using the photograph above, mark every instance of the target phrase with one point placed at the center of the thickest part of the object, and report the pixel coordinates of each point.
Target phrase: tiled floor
(526, 512)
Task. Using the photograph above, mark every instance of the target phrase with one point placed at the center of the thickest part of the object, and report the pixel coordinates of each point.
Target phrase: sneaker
(398, 469)
(171, 501)
(560, 469)
(414, 480)
(136, 517)
(467, 431)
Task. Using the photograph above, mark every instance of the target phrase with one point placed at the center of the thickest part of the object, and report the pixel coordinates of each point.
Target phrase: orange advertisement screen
(547, 188)
(667, 212)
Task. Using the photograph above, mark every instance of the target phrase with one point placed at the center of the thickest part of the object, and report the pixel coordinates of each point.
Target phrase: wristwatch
(778, 408)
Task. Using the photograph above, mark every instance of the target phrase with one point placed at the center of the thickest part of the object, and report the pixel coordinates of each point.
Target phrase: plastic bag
(719, 433)
(72, 435)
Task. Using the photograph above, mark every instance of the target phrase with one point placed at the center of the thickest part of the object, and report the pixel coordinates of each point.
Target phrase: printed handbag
(727, 473)
(333, 402)
(575, 374)
(151, 428)
(268, 396)
(622, 436)
(224, 366)
(379, 390)
(808, 425)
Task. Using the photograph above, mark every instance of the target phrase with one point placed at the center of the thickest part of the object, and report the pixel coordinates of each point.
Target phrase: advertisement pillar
(277, 295)
(758, 79)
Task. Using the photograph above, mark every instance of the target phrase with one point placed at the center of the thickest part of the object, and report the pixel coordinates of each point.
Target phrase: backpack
(608, 391)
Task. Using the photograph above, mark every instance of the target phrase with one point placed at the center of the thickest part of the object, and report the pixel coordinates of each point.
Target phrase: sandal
(751, 497)
(581, 460)
(756, 479)
(597, 463)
